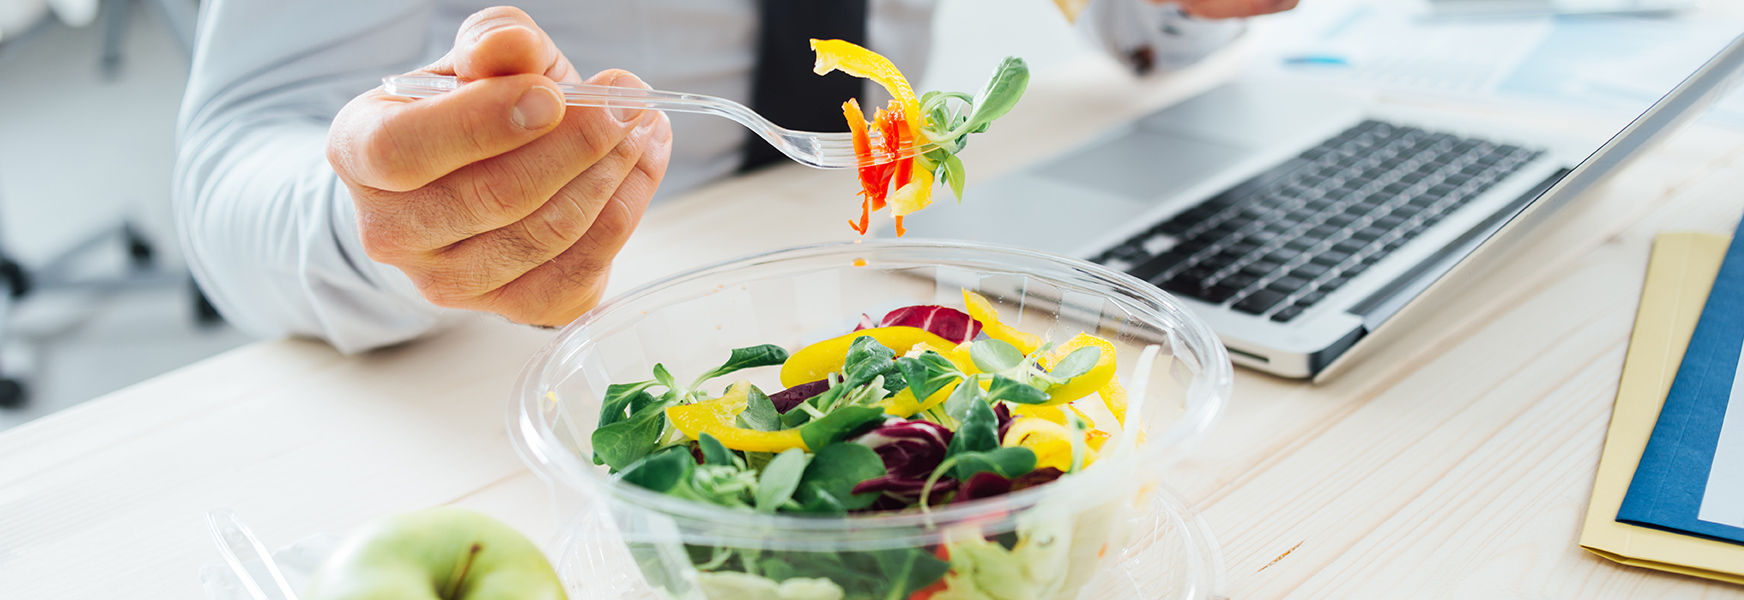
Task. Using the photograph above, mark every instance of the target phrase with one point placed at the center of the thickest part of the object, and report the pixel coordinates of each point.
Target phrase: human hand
(496, 197)
(1226, 9)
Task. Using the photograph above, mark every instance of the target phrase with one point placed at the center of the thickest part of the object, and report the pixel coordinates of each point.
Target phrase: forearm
(271, 236)
(269, 231)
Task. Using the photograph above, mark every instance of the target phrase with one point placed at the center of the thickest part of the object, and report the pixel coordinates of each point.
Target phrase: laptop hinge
(1386, 302)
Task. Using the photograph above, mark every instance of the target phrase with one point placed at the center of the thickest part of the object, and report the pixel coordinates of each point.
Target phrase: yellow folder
(1679, 275)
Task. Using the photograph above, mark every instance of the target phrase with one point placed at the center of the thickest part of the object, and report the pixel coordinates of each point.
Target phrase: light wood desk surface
(1458, 466)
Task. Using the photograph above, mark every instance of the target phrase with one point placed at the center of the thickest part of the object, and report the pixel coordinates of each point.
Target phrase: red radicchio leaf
(785, 400)
(985, 484)
(943, 321)
(1035, 478)
(907, 490)
(1002, 415)
(865, 322)
(910, 449)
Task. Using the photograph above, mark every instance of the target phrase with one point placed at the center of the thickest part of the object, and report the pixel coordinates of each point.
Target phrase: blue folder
(1667, 490)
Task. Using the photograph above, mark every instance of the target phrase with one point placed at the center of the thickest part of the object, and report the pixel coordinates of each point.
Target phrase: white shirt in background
(271, 233)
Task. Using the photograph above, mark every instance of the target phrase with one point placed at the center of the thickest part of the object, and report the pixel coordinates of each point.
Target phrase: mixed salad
(926, 407)
(909, 121)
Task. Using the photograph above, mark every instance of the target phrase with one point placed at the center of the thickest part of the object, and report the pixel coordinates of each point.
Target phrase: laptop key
(1259, 302)
(1240, 280)
(1286, 313)
(1218, 294)
(1156, 265)
(1309, 271)
(1261, 268)
(1287, 285)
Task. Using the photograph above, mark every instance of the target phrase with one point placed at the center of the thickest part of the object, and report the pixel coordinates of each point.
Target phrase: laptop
(1302, 224)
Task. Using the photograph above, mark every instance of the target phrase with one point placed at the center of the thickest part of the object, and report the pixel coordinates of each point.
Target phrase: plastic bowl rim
(533, 443)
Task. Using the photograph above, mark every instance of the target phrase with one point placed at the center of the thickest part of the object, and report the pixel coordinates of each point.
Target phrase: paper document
(1723, 498)
(1678, 467)
(1679, 276)
(1619, 64)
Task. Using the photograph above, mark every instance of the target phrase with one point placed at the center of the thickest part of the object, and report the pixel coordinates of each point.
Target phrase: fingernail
(627, 114)
(539, 108)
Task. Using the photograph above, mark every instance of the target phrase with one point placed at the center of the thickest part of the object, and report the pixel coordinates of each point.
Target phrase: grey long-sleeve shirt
(271, 233)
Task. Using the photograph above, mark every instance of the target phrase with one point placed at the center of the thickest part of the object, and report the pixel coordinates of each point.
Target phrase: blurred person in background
(313, 205)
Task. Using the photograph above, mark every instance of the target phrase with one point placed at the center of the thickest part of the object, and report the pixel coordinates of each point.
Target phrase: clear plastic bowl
(1114, 519)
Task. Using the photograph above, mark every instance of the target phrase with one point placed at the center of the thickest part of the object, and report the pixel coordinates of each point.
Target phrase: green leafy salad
(929, 406)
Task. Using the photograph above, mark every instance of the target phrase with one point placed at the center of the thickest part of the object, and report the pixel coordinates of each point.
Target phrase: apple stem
(460, 571)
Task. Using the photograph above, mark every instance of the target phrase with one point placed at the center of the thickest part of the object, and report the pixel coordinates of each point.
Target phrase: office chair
(62, 271)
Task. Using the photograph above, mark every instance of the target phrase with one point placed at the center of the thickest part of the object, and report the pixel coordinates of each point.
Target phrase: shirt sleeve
(1147, 36)
(269, 230)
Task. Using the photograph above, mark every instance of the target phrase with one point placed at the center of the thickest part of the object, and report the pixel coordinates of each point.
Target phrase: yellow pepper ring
(717, 418)
(839, 55)
(1091, 381)
(817, 361)
(1051, 442)
(981, 310)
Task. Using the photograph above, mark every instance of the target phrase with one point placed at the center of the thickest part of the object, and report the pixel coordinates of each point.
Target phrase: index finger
(397, 144)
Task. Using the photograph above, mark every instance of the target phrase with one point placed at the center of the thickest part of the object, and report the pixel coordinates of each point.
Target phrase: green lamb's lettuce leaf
(746, 358)
(628, 440)
(977, 432)
(840, 424)
(867, 359)
(1005, 462)
(963, 398)
(1000, 95)
(928, 373)
(665, 377)
(908, 570)
(1077, 363)
(1010, 390)
(662, 472)
(759, 412)
(995, 356)
(780, 479)
(834, 471)
(713, 453)
(618, 400)
(953, 175)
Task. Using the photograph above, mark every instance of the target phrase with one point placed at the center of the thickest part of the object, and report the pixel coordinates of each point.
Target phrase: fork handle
(574, 94)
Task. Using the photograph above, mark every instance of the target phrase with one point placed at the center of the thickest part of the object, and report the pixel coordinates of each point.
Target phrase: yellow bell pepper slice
(1091, 381)
(1049, 413)
(981, 310)
(902, 403)
(716, 417)
(1114, 397)
(1051, 442)
(817, 361)
(838, 55)
(918, 194)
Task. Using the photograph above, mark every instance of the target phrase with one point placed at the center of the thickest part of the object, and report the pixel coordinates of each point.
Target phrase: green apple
(436, 554)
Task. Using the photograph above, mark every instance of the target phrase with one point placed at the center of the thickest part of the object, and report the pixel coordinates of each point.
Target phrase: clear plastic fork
(809, 148)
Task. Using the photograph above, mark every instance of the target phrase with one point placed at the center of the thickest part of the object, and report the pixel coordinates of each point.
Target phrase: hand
(1225, 9)
(496, 197)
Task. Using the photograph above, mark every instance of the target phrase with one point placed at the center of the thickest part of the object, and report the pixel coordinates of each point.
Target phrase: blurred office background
(87, 126)
(87, 142)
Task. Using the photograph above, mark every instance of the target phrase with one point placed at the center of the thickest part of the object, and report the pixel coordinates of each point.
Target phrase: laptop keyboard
(1280, 242)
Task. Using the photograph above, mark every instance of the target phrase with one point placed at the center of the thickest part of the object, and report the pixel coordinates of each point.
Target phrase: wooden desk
(1459, 467)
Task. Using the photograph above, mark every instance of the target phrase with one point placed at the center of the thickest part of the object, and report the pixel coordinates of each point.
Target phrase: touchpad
(1144, 165)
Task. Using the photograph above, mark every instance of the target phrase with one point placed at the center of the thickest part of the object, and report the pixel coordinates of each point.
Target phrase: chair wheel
(11, 393)
(14, 277)
(138, 248)
(204, 312)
